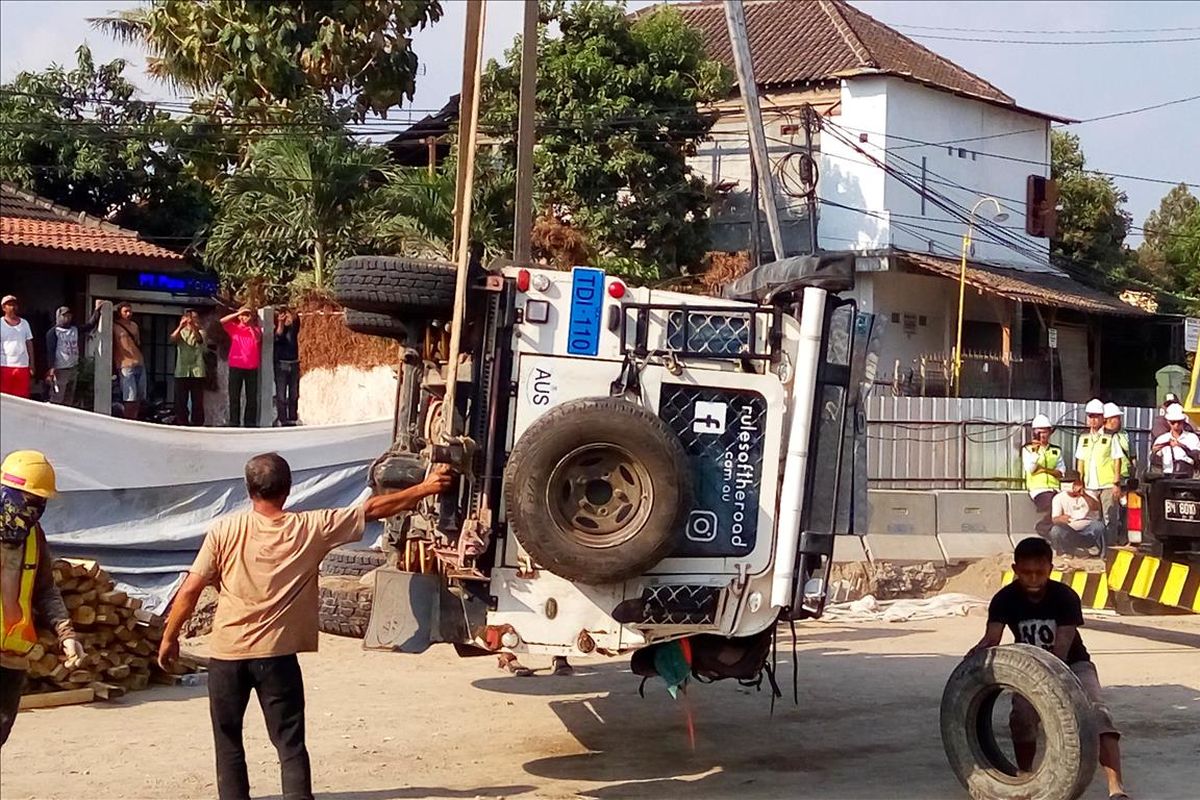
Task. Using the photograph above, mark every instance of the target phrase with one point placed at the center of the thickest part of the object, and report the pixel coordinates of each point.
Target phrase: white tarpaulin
(138, 497)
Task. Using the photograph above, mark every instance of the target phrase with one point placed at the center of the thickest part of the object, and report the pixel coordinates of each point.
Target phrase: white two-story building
(909, 143)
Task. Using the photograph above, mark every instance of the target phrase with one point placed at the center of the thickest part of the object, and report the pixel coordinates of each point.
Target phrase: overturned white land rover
(635, 465)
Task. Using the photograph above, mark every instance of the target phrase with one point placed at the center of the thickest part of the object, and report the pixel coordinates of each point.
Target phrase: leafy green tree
(1163, 227)
(245, 56)
(1181, 250)
(618, 115)
(81, 138)
(295, 206)
(1092, 222)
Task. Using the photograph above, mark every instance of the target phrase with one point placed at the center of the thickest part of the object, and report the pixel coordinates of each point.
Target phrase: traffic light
(1041, 206)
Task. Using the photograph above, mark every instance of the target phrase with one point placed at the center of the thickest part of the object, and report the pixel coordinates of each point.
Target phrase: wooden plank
(69, 697)
(108, 691)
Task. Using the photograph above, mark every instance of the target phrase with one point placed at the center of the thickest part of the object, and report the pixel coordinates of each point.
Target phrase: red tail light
(523, 279)
(1133, 517)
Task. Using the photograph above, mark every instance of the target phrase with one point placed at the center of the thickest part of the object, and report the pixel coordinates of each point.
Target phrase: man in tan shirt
(128, 362)
(264, 564)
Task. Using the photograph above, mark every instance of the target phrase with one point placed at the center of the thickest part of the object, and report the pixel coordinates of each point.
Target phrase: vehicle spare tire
(383, 325)
(350, 561)
(597, 490)
(394, 285)
(1067, 717)
(345, 607)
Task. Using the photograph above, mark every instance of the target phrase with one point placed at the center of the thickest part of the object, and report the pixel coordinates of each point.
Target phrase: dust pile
(326, 342)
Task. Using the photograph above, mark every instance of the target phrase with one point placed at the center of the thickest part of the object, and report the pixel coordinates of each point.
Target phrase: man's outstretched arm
(388, 505)
(991, 638)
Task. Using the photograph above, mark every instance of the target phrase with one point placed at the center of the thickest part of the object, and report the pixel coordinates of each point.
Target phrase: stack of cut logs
(120, 637)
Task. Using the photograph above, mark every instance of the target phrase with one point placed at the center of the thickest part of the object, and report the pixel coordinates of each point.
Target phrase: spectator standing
(63, 345)
(287, 366)
(245, 358)
(1177, 450)
(1076, 517)
(128, 362)
(189, 369)
(1043, 466)
(16, 350)
(1098, 458)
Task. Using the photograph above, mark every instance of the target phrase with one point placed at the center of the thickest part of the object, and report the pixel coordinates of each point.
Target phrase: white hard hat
(1041, 421)
(1094, 407)
(1112, 410)
(1175, 413)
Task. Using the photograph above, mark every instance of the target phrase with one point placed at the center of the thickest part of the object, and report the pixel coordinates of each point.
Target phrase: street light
(999, 216)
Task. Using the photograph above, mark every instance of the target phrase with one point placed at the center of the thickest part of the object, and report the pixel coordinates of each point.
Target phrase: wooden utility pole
(735, 19)
(526, 135)
(468, 136)
(468, 98)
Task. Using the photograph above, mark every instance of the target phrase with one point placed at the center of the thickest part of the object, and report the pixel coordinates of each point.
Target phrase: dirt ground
(384, 726)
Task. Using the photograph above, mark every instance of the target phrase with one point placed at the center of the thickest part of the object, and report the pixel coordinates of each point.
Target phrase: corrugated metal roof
(1039, 288)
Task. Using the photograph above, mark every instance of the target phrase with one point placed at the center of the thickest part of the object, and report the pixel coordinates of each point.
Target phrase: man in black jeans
(287, 366)
(264, 564)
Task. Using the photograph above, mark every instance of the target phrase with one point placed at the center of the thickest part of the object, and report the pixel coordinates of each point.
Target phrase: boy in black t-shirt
(1048, 614)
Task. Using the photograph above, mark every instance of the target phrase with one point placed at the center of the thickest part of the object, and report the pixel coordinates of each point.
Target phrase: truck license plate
(1182, 510)
(587, 303)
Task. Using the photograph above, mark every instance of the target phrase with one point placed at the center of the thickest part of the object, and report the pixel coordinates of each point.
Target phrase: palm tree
(296, 203)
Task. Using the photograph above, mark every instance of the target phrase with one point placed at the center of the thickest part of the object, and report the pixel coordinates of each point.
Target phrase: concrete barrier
(849, 550)
(972, 524)
(1022, 517)
(902, 527)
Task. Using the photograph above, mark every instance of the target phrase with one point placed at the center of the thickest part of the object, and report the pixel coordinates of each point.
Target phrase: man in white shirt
(1075, 513)
(16, 350)
(1177, 450)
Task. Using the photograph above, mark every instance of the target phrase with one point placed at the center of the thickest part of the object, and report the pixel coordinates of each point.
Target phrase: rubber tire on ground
(345, 607)
(351, 562)
(560, 432)
(383, 325)
(394, 285)
(1068, 723)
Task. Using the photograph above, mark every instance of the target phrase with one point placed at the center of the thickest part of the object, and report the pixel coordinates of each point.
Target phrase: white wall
(851, 179)
(925, 309)
(918, 112)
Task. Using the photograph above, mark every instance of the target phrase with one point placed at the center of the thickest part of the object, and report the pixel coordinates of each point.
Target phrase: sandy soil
(385, 726)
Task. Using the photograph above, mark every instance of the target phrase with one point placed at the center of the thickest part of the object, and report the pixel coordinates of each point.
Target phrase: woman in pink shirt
(245, 358)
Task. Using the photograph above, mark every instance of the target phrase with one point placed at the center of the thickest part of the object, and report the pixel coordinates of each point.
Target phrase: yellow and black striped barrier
(1091, 587)
(1149, 578)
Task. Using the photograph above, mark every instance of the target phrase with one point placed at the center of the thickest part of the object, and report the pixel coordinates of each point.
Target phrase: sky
(1072, 80)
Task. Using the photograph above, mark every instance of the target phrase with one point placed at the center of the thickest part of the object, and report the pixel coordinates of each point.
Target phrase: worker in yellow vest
(27, 589)
(1098, 458)
(1043, 465)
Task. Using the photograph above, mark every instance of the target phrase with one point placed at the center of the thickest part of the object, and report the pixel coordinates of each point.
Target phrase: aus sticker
(542, 388)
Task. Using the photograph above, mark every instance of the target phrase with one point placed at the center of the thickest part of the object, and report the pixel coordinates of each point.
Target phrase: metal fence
(971, 443)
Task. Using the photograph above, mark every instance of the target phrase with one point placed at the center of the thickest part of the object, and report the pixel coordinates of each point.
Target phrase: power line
(1055, 42)
(1052, 32)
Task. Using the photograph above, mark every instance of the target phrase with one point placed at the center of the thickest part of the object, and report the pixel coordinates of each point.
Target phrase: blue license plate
(587, 303)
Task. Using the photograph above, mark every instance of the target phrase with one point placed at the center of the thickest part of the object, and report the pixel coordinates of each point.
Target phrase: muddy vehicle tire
(382, 325)
(597, 490)
(351, 562)
(394, 285)
(345, 607)
(1068, 720)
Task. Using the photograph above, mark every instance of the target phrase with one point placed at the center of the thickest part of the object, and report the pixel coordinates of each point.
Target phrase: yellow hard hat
(29, 471)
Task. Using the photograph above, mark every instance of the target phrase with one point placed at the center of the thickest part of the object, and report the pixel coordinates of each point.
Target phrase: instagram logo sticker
(702, 526)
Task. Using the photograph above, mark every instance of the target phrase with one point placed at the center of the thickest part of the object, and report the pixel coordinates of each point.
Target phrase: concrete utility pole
(266, 369)
(735, 19)
(526, 136)
(468, 136)
(102, 401)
